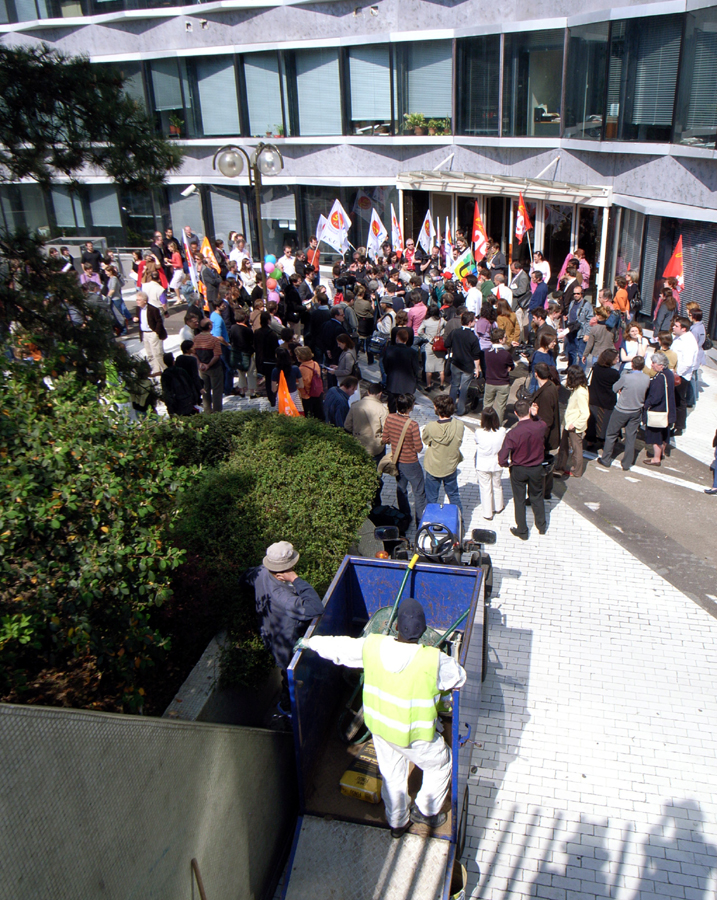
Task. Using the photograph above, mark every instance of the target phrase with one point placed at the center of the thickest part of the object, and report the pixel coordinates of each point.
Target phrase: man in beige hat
(285, 604)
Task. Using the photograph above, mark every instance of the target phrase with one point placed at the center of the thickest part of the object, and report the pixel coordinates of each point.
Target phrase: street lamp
(265, 160)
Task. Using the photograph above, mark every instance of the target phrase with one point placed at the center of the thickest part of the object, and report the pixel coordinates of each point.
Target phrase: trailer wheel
(487, 569)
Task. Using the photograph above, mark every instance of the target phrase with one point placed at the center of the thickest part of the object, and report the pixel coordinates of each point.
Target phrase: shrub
(85, 502)
(273, 478)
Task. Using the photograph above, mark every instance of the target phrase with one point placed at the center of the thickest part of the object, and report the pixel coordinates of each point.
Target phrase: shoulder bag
(657, 419)
(388, 465)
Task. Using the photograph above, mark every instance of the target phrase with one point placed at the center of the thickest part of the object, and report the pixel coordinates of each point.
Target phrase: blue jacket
(336, 406)
(540, 295)
(284, 611)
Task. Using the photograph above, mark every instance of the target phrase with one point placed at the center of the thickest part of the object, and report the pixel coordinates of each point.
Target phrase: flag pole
(527, 234)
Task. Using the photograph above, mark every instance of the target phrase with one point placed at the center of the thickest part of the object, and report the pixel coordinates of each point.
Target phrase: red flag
(480, 238)
(522, 222)
(674, 268)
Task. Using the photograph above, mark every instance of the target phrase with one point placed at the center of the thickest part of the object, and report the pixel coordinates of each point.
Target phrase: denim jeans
(450, 483)
(575, 348)
(411, 473)
(460, 382)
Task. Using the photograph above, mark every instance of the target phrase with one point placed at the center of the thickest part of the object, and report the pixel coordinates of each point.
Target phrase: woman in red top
(177, 266)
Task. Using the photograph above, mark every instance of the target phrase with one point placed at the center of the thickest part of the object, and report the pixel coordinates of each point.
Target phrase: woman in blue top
(542, 355)
(294, 379)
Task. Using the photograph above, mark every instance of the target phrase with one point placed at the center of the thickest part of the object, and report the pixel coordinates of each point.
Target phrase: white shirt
(143, 320)
(501, 292)
(687, 350)
(287, 264)
(395, 656)
(488, 444)
(238, 256)
(153, 290)
(543, 267)
(474, 299)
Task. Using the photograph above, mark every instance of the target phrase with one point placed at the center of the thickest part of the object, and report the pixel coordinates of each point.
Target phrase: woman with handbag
(659, 409)
(574, 425)
(348, 362)
(432, 329)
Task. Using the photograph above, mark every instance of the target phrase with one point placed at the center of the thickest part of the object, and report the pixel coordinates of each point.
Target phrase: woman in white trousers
(489, 439)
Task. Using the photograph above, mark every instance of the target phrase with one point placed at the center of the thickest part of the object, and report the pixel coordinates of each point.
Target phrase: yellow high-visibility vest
(400, 706)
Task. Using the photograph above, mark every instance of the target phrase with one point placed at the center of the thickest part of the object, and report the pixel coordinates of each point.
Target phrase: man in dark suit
(569, 285)
(327, 338)
(465, 359)
(402, 366)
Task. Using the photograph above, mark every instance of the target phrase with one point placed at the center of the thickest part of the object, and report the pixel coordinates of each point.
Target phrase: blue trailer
(342, 847)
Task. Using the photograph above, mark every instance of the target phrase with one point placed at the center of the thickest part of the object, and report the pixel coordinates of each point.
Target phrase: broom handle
(400, 593)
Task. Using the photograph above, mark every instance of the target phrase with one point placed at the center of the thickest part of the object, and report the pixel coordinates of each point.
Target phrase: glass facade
(370, 90)
(696, 108)
(478, 74)
(585, 88)
(425, 86)
(642, 78)
(172, 97)
(532, 83)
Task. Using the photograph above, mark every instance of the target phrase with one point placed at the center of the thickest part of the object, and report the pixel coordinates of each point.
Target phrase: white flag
(377, 234)
(190, 262)
(448, 246)
(428, 233)
(336, 228)
(396, 235)
(320, 228)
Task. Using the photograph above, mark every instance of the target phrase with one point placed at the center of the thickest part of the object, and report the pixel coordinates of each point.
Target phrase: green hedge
(272, 478)
(85, 503)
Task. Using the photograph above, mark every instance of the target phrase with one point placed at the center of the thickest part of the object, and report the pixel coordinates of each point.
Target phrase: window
(478, 84)
(68, 208)
(370, 90)
(231, 211)
(318, 91)
(532, 80)
(425, 86)
(644, 57)
(278, 218)
(217, 89)
(585, 86)
(696, 112)
(104, 207)
(263, 93)
(172, 97)
(185, 211)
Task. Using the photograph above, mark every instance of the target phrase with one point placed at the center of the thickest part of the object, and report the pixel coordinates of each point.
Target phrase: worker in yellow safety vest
(402, 683)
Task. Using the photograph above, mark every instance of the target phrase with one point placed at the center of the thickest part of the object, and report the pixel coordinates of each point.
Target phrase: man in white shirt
(240, 252)
(287, 263)
(687, 349)
(501, 291)
(474, 298)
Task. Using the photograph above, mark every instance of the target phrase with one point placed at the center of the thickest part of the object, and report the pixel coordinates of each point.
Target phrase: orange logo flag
(208, 254)
(284, 401)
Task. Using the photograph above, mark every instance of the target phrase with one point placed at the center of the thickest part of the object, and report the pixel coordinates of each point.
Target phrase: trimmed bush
(273, 478)
(85, 503)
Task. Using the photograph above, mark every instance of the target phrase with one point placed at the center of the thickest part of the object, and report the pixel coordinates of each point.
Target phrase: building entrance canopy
(505, 185)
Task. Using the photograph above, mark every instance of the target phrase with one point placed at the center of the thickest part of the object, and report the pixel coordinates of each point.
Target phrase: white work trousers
(491, 492)
(433, 758)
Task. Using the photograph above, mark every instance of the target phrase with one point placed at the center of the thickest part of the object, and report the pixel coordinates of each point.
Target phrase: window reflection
(479, 79)
(585, 86)
(696, 112)
(532, 79)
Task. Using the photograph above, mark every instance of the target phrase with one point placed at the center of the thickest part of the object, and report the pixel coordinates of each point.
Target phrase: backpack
(316, 387)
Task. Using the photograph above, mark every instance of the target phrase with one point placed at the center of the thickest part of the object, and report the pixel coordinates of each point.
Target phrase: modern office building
(605, 118)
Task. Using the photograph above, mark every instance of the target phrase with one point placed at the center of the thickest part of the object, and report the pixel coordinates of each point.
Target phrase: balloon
(268, 267)
(270, 258)
(271, 284)
(277, 273)
(272, 297)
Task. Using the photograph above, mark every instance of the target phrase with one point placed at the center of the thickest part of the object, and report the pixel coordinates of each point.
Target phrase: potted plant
(175, 125)
(416, 122)
(279, 132)
(435, 126)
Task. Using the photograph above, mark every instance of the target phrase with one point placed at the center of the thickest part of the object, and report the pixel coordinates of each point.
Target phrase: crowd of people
(245, 332)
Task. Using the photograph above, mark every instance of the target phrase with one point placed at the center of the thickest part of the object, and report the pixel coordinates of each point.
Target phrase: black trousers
(530, 478)
(683, 395)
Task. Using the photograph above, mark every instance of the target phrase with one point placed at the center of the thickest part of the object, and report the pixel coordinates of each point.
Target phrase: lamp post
(265, 160)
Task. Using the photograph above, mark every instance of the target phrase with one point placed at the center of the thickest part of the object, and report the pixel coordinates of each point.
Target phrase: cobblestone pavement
(596, 745)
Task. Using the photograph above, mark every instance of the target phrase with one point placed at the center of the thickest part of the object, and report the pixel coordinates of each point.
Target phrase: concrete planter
(201, 699)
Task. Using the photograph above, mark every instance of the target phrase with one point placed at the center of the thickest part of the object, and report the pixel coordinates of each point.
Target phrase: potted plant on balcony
(415, 122)
(175, 125)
